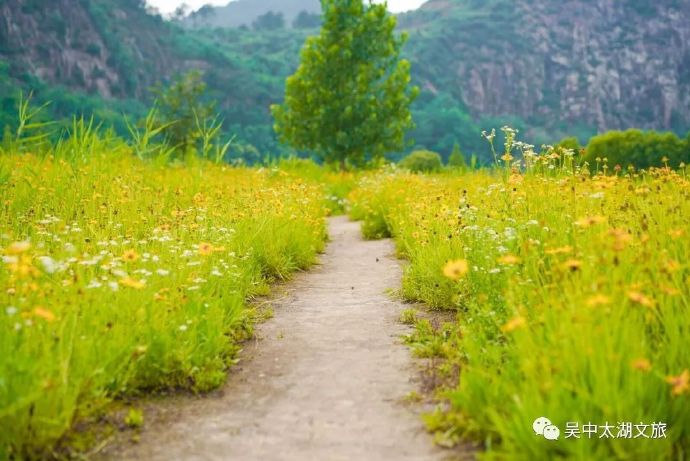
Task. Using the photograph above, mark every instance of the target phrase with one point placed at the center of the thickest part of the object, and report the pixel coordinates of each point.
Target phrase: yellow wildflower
(45, 314)
(205, 249)
(509, 260)
(573, 265)
(132, 283)
(457, 269)
(675, 234)
(671, 266)
(621, 238)
(680, 383)
(560, 250)
(513, 324)
(641, 364)
(640, 298)
(598, 300)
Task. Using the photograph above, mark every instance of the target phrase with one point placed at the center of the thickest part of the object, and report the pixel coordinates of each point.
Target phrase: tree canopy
(349, 99)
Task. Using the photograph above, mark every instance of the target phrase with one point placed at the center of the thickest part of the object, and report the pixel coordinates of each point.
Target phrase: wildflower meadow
(120, 277)
(570, 289)
(215, 246)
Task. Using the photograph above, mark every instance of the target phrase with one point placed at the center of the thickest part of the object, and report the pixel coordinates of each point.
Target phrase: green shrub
(422, 161)
(570, 143)
(641, 149)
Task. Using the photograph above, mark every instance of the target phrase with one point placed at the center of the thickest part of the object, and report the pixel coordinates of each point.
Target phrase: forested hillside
(573, 68)
(103, 57)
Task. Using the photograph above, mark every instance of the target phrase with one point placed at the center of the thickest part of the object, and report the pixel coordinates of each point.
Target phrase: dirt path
(323, 383)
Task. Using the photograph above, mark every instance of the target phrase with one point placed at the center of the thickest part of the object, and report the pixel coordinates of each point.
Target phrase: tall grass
(119, 276)
(571, 291)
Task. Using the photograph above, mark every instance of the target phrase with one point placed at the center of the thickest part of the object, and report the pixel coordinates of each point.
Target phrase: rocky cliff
(604, 64)
(112, 48)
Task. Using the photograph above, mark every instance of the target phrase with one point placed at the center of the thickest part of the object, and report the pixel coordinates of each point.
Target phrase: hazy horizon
(169, 6)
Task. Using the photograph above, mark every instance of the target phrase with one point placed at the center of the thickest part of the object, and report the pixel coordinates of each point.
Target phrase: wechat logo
(543, 426)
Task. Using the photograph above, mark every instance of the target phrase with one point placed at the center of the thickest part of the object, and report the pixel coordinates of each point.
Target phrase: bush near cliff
(641, 149)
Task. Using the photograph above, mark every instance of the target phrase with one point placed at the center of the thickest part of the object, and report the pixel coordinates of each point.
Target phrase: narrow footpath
(324, 381)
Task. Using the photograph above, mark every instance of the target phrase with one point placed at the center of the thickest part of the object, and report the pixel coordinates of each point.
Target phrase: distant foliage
(571, 143)
(269, 21)
(349, 99)
(306, 20)
(182, 106)
(457, 159)
(641, 149)
(422, 161)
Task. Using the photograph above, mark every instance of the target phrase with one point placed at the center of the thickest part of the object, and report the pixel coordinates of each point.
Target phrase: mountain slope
(598, 64)
(574, 67)
(114, 52)
(245, 12)
(112, 48)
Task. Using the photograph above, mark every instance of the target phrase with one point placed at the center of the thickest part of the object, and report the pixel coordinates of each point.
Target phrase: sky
(168, 6)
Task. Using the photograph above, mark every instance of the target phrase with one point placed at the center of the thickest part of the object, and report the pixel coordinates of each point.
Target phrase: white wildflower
(49, 264)
(94, 284)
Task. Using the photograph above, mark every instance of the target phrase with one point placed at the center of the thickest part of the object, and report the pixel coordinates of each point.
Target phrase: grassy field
(122, 276)
(119, 276)
(571, 291)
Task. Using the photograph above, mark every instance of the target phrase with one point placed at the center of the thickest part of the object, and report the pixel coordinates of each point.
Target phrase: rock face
(112, 48)
(604, 64)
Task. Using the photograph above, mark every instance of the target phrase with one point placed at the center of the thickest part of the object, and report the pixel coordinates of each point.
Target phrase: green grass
(120, 276)
(573, 304)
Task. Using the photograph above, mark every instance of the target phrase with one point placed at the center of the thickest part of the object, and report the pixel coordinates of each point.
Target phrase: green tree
(349, 99)
(269, 21)
(183, 111)
(457, 159)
